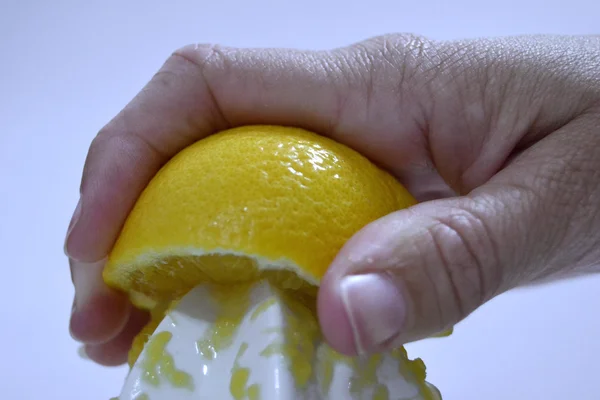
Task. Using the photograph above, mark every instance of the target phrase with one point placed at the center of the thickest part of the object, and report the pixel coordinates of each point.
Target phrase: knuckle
(112, 152)
(201, 55)
(212, 63)
(123, 133)
(190, 60)
(385, 75)
(398, 45)
(402, 56)
(463, 250)
(96, 150)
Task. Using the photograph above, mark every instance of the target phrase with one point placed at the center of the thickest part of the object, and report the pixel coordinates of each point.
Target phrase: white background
(66, 68)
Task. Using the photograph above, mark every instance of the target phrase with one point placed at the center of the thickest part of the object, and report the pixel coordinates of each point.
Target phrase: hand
(499, 140)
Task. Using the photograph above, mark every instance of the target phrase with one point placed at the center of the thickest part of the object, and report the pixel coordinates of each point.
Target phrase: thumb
(417, 272)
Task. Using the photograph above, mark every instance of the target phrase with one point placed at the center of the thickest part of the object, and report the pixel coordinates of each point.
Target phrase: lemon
(247, 203)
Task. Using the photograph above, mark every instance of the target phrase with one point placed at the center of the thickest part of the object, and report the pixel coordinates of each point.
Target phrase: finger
(417, 272)
(98, 311)
(398, 279)
(114, 352)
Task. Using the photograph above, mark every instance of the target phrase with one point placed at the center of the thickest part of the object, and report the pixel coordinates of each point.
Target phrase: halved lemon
(247, 203)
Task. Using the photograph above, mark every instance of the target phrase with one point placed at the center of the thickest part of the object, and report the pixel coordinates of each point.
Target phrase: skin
(499, 139)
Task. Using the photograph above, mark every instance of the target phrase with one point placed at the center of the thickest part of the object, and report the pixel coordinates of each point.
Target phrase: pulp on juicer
(253, 341)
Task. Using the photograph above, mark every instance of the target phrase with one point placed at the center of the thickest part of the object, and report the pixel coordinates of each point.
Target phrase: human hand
(498, 139)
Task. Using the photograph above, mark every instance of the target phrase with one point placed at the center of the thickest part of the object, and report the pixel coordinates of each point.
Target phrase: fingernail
(74, 219)
(86, 278)
(82, 353)
(375, 307)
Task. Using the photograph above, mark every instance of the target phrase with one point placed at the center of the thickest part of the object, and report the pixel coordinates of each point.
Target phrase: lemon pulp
(159, 363)
(295, 340)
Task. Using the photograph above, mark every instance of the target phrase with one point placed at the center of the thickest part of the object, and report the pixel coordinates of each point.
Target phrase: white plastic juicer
(251, 342)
